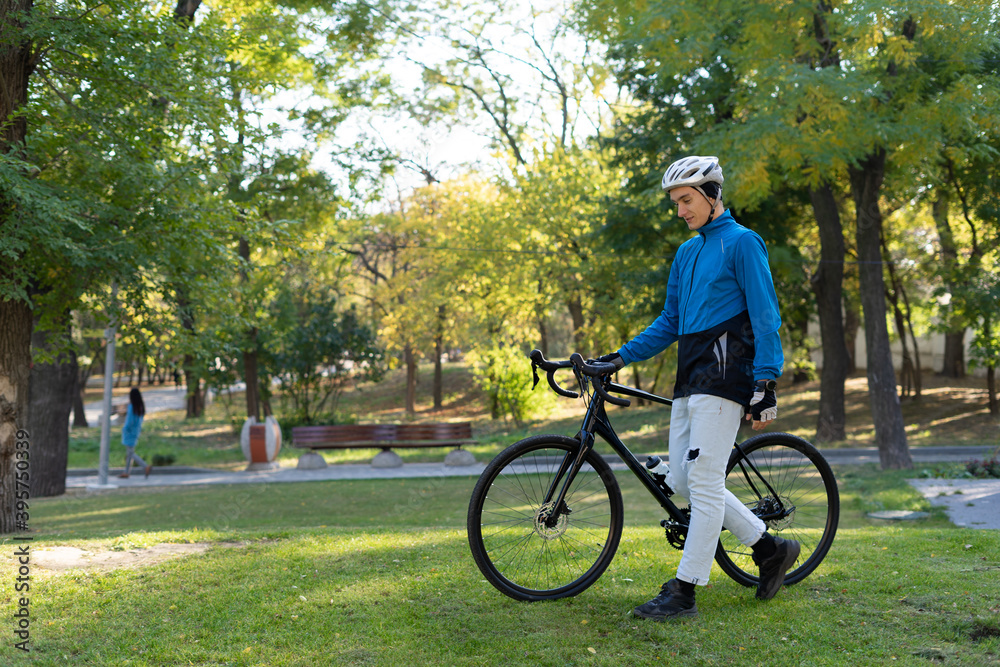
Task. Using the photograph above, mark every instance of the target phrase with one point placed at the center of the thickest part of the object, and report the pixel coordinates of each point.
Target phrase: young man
(722, 311)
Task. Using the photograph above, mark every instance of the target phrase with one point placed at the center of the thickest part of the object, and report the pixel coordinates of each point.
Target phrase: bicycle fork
(555, 496)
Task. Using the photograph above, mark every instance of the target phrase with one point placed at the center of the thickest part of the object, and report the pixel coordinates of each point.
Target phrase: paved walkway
(972, 503)
(156, 399)
(183, 476)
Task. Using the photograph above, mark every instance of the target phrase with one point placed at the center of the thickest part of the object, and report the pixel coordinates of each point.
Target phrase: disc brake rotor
(542, 527)
(770, 506)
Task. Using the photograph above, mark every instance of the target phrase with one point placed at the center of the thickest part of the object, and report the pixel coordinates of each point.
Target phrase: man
(722, 311)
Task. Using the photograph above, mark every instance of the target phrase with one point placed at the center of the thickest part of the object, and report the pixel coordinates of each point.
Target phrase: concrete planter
(261, 443)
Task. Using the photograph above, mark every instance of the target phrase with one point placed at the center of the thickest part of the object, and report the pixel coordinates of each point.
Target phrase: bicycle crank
(676, 532)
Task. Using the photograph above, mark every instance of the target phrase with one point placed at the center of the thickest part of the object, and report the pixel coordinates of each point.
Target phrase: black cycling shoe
(774, 567)
(670, 603)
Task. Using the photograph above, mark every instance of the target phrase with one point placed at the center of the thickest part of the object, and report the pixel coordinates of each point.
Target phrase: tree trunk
(866, 182)
(575, 307)
(410, 360)
(82, 376)
(79, 413)
(15, 315)
(543, 328)
(15, 374)
(195, 404)
(954, 337)
(543, 337)
(991, 371)
(438, 353)
(828, 285)
(991, 388)
(656, 375)
(637, 383)
(917, 369)
(250, 378)
(53, 386)
(953, 365)
(852, 322)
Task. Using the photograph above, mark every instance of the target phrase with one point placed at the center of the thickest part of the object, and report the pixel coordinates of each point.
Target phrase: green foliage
(319, 352)
(984, 469)
(504, 374)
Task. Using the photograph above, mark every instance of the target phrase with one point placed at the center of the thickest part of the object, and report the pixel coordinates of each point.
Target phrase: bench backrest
(303, 435)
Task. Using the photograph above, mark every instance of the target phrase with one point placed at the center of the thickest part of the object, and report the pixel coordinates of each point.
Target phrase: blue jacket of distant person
(722, 311)
(132, 428)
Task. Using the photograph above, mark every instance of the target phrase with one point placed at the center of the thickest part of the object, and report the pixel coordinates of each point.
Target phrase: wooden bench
(384, 436)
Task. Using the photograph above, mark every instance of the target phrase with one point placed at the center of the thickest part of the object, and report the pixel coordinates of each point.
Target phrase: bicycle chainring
(676, 532)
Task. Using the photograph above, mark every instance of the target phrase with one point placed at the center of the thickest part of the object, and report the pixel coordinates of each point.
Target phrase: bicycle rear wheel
(518, 546)
(802, 503)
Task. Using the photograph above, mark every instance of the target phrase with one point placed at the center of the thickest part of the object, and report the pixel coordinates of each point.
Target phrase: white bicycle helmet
(693, 171)
(697, 171)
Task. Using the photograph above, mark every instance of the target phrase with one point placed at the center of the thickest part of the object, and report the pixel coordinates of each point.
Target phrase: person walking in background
(134, 416)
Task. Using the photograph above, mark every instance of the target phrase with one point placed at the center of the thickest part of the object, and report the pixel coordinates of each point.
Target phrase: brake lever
(600, 371)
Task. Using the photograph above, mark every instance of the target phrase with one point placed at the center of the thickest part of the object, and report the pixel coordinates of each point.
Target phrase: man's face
(692, 206)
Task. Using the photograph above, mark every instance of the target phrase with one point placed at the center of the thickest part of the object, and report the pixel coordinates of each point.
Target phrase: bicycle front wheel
(785, 481)
(529, 549)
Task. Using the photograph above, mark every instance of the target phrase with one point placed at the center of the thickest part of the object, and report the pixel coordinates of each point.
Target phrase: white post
(109, 371)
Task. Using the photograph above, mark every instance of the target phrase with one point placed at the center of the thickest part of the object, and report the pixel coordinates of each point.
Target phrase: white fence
(931, 349)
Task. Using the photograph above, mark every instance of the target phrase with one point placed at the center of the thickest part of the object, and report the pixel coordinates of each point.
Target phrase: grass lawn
(379, 573)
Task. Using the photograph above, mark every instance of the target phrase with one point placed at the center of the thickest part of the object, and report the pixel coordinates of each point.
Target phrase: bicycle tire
(799, 475)
(515, 550)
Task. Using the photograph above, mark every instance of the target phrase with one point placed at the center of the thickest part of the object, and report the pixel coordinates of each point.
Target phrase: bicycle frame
(596, 423)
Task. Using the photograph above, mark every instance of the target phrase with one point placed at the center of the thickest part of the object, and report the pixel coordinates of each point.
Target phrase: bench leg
(459, 457)
(387, 459)
(311, 460)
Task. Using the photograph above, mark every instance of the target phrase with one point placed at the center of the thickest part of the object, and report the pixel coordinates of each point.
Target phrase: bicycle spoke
(530, 547)
(800, 485)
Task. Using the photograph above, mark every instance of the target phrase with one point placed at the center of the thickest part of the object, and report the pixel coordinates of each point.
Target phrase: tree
(319, 350)
(16, 65)
(89, 197)
(836, 94)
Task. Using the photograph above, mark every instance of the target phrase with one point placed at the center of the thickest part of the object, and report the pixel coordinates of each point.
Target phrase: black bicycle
(546, 515)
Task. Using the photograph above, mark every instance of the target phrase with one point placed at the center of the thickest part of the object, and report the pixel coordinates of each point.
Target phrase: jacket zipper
(694, 266)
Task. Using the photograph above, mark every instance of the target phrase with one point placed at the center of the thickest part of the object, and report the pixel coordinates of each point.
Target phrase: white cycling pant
(702, 432)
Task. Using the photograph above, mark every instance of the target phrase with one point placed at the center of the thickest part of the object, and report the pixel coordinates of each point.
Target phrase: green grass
(379, 573)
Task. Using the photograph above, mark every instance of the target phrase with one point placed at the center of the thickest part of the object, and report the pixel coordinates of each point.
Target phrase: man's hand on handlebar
(613, 358)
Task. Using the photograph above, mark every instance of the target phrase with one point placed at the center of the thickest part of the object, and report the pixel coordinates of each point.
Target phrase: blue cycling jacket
(722, 310)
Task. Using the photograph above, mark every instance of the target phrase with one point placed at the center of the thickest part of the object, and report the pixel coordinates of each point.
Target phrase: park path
(157, 399)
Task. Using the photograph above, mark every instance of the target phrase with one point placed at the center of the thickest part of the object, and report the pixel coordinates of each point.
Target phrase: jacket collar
(716, 226)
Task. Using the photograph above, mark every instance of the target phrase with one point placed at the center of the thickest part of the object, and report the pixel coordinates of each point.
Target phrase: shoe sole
(684, 613)
(778, 581)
